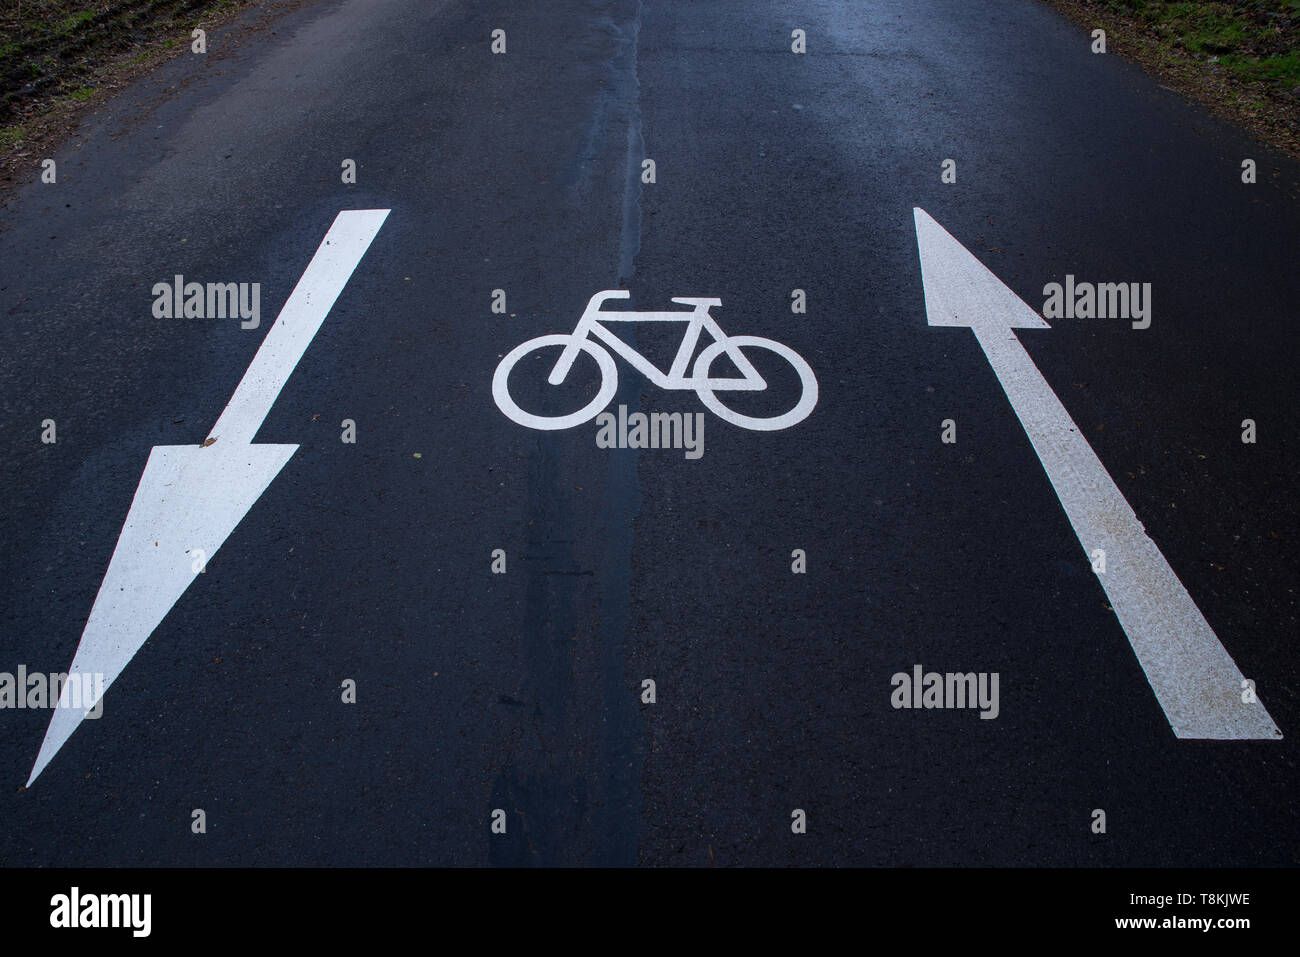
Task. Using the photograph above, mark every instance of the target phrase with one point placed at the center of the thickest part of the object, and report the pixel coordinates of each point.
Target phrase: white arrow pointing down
(1195, 680)
(191, 497)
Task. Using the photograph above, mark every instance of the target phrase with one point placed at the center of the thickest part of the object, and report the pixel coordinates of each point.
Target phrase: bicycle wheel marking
(706, 386)
(593, 337)
(501, 390)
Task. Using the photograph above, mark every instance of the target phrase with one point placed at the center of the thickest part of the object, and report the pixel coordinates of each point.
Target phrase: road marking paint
(191, 497)
(1195, 680)
(593, 326)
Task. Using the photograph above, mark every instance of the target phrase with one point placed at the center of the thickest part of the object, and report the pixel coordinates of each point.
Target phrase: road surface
(770, 587)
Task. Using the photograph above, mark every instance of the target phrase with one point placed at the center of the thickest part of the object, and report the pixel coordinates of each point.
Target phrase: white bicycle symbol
(591, 324)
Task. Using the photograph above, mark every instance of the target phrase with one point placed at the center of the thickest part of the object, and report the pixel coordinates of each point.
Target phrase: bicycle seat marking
(592, 327)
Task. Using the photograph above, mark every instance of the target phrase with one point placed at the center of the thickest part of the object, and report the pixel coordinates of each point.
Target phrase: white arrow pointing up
(1195, 680)
(191, 497)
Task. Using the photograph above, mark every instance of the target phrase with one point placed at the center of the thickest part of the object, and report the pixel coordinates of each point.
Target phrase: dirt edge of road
(83, 68)
(1187, 60)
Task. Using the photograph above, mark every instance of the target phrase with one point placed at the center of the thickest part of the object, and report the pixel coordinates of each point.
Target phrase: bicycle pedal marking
(593, 336)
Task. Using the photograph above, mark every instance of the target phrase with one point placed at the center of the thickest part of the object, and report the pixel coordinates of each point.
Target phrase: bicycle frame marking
(593, 336)
(697, 321)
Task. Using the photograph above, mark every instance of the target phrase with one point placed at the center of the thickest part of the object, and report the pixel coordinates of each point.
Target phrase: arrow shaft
(1195, 680)
(295, 327)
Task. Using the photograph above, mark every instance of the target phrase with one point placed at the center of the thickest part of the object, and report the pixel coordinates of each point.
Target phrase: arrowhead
(190, 498)
(960, 290)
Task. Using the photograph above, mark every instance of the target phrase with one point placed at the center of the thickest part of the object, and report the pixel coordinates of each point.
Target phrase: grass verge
(1241, 59)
